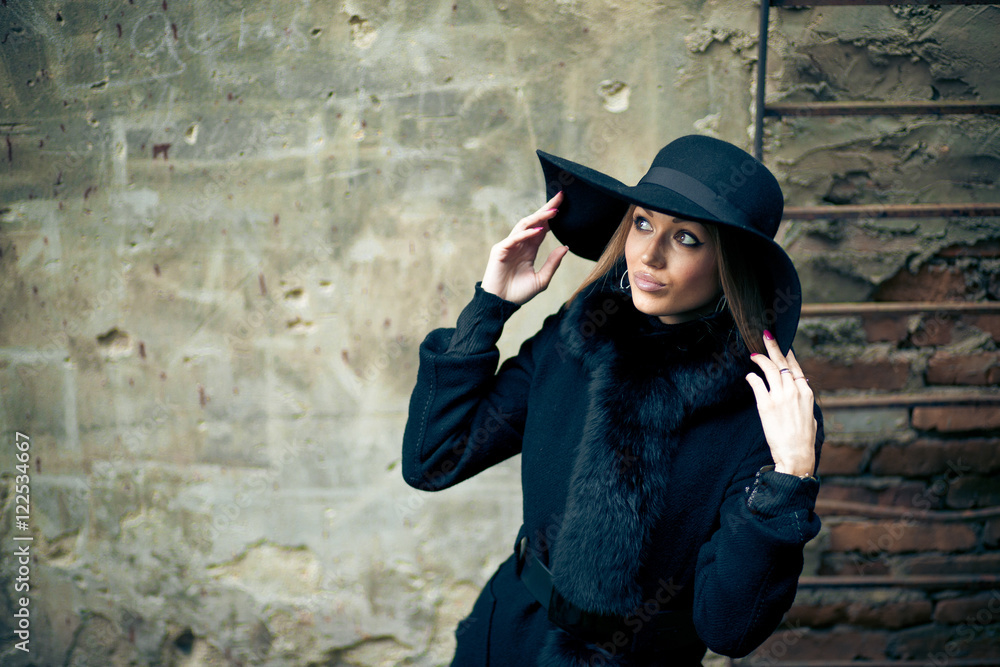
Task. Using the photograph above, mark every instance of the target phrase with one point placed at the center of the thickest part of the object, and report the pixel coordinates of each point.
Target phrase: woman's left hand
(786, 410)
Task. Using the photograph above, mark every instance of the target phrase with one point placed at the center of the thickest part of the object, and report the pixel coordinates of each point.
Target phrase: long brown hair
(743, 284)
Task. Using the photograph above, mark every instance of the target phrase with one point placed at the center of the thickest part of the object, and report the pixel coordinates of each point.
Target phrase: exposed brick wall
(897, 480)
(907, 491)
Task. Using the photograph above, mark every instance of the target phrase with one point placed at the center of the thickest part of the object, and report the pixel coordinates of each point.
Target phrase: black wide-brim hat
(695, 178)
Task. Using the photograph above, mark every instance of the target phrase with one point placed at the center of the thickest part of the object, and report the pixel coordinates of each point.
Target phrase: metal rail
(758, 119)
(792, 109)
(856, 211)
(899, 308)
(862, 3)
(847, 508)
(813, 109)
(924, 399)
(951, 662)
(925, 581)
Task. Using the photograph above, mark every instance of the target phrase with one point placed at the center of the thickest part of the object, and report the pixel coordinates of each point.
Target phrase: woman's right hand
(510, 273)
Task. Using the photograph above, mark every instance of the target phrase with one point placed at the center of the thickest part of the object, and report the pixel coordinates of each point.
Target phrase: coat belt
(667, 628)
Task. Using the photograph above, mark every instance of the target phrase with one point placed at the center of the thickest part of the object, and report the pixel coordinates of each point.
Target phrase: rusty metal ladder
(971, 582)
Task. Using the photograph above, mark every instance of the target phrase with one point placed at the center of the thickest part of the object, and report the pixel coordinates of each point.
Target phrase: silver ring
(785, 370)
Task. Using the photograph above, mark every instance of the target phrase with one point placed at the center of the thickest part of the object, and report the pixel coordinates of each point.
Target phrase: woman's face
(672, 267)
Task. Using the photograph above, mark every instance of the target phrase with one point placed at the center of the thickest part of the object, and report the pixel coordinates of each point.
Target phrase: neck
(713, 306)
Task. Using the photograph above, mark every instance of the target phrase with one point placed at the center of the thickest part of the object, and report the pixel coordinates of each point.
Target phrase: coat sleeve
(747, 573)
(464, 415)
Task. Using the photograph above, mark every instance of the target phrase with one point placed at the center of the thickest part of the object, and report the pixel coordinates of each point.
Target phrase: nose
(653, 254)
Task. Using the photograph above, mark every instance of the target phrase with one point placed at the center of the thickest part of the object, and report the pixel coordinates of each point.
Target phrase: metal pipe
(875, 211)
(858, 3)
(899, 308)
(848, 508)
(951, 662)
(908, 400)
(758, 120)
(796, 109)
(928, 581)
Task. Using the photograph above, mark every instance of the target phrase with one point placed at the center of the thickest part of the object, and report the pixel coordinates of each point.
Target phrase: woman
(667, 490)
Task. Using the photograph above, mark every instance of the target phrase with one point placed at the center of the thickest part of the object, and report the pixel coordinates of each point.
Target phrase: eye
(688, 239)
(642, 224)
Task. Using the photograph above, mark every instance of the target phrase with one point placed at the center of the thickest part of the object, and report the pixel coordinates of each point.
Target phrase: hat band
(697, 192)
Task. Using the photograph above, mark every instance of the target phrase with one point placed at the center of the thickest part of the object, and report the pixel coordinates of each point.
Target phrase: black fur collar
(646, 379)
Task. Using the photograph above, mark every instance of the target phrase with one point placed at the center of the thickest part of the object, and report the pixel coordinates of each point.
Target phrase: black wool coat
(647, 483)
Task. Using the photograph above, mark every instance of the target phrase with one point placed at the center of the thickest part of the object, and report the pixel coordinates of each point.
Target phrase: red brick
(828, 374)
(991, 533)
(911, 459)
(925, 457)
(900, 536)
(847, 493)
(929, 283)
(961, 610)
(885, 328)
(989, 323)
(837, 459)
(956, 419)
(910, 495)
(816, 615)
(934, 644)
(853, 565)
(965, 369)
(934, 330)
(973, 491)
(892, 615)
(988, 563)
(983, 248)
(795, 644)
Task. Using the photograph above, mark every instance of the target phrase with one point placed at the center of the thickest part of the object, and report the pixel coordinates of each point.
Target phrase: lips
(646, 282)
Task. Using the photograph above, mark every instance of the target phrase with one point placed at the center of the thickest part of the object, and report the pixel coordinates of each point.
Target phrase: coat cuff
(481, 322)
(776, 493)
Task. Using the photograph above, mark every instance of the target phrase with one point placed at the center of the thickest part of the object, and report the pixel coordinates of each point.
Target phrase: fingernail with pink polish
(767, 335)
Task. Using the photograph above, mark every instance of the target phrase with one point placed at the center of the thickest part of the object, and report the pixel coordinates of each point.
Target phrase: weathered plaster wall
(874, 54)
(225, 227)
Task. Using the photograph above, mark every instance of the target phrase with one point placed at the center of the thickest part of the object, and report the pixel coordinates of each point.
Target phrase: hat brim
(593, 206)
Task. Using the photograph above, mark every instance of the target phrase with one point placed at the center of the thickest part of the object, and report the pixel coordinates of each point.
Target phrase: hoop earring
(624, 284)
(721, 305)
